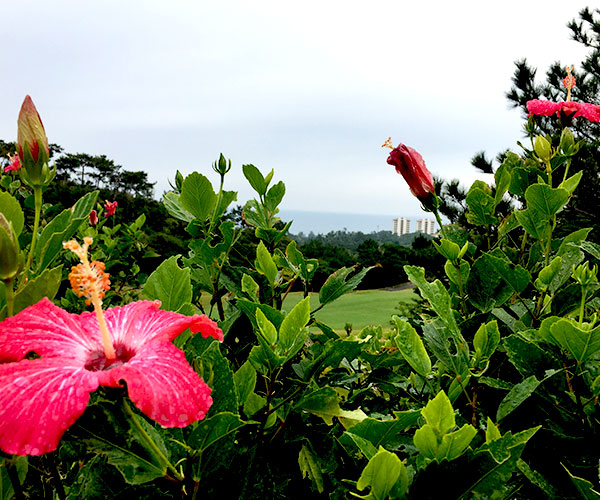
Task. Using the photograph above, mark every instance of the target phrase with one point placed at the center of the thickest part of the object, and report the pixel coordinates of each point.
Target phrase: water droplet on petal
(35, 451)
(183, 417)
(21, 382)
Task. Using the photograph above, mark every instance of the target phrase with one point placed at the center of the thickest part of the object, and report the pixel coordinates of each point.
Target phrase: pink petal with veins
(39, 400)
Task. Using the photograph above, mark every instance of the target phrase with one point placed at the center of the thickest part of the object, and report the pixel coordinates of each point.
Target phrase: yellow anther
(388, 143)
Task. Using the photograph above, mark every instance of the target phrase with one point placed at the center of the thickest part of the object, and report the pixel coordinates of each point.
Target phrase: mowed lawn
(360, 308)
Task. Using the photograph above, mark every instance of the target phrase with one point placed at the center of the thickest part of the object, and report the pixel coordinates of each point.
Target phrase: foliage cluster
(491, 392)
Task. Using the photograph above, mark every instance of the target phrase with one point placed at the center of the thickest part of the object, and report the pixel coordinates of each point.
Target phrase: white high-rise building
(401, 225)
(426, 226)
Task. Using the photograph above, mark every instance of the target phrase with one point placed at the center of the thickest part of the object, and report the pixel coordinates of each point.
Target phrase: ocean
(324, 222)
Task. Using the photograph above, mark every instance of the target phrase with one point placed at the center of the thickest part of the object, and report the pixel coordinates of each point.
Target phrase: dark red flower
(411, 166)
(110, 207)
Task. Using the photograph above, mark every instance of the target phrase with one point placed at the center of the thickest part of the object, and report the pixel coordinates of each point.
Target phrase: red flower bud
(31, 137)
(93, 218)
(411, 166)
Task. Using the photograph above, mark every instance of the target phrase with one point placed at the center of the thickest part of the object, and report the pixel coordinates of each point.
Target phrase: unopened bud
(11, 257)
(222, 165)
(542, 148)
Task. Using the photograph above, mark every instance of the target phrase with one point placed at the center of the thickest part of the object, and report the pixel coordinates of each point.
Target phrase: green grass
(360, 308)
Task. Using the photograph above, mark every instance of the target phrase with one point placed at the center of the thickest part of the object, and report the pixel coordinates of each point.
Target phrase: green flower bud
(11, 257)
(584, 275)
(542, 148)
(567, 140)
(222, 166)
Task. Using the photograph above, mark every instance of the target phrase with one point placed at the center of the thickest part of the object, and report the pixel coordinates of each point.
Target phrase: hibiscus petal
(39, 400)
(47, 330)
(542, 108)
(140, 322)
(162, 385)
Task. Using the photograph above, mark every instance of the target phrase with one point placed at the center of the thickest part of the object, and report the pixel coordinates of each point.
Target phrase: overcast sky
(311, 89)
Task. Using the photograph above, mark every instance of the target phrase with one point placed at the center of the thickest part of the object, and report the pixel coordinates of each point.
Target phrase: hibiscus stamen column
(569, 81)
(89, 280)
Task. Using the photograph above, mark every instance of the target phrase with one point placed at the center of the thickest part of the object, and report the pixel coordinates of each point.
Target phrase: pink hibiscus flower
(41, 398)
(568, 108)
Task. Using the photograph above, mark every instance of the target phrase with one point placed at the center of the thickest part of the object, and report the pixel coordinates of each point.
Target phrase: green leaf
(197, 196)
(245, 382)
(481, 205)
(584, 487)
(439, 414)
(293, 324)
(45, 285)
(571, 183)
(426, 441)
(458, 275)
(274, 196)
(134, 468)
(324, 402)
(210, 430)
(62, 228)
(454, 444)
(545, 201)
(173, 205)
(486, 340)
(579, 343)
(264, 263)
(448, 249)
(170, 284)
(12, 211)
(381, 474)
(214, 369)
(548, 273)
(491, 433)
(309, 467)
(250, 287)
(516, 396)
(255, 178)
(387, 433)
(411, 347)
(503, 178)
(336, 284)
(266, 329)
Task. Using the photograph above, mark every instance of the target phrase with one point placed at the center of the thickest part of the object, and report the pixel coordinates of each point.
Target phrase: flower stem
(133, 418)
(9, 295)
(37, 195)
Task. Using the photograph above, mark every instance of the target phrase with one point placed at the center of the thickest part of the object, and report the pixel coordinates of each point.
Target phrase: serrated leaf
(293, 324)
(411, 347)
(245, 381)
(584, 487)
(439, 414)
(210, 430)
(264, 263)
(173, 205)
(170, 284)
(309, 467)
(336, 284)
(580, 344)
(382, 474)
(62, 228)
(197, 196)
(12, 211)
(516, 396)
(45, 285)
(266, 328)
